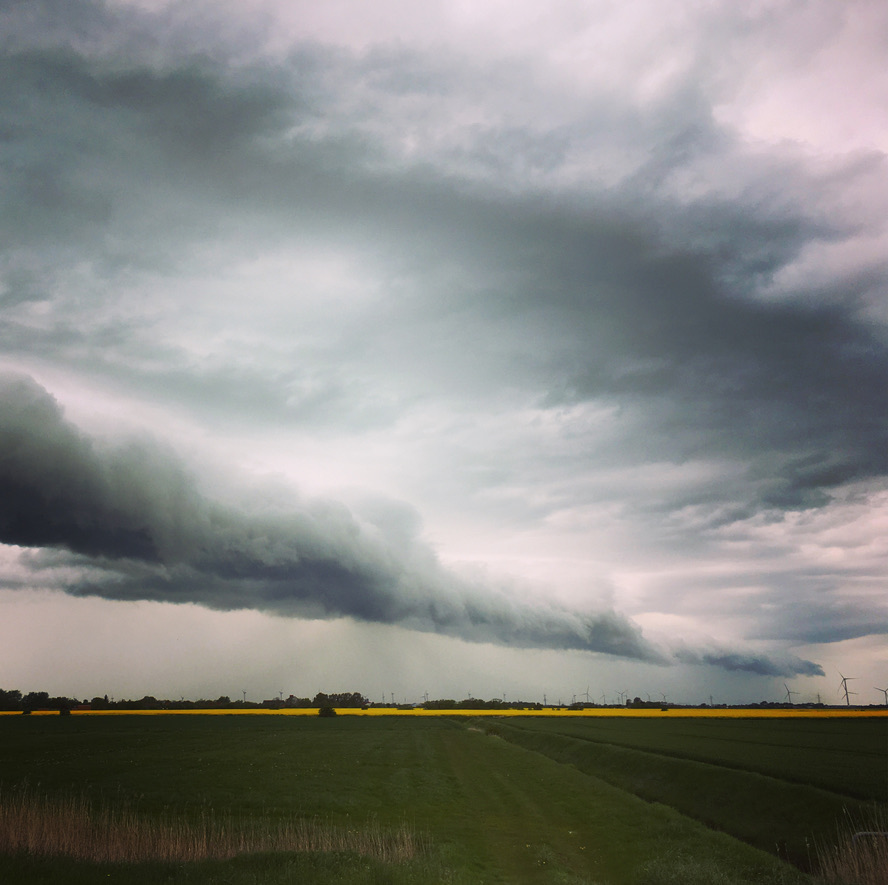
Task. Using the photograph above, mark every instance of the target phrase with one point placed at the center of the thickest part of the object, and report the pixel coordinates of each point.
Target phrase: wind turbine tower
(789, 694)
(884, 692)
(845, 681)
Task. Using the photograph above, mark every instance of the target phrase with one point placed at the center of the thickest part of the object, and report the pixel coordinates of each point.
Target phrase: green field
(487, 800)
(774, 783)
(839, 755)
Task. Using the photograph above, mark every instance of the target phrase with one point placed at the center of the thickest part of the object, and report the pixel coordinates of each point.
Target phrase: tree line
(12, 700)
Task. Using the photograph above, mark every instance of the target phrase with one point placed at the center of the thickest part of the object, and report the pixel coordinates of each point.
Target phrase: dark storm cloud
(588, 302)
(88, 141)
(134, 516)
(760, 664)
(129, 524)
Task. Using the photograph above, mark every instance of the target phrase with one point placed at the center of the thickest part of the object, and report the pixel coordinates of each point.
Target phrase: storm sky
(449, 347)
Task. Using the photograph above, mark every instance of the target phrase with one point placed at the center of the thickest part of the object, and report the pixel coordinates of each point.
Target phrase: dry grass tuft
(72, 827)
(859, 855)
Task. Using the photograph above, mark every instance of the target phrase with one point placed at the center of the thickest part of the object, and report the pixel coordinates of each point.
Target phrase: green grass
(488, 811)
(844, 756)
(726, 775)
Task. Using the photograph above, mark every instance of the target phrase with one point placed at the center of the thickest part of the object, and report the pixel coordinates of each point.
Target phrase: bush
(326, 711)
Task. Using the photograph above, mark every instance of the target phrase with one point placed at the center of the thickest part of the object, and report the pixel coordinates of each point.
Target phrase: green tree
(10, 699)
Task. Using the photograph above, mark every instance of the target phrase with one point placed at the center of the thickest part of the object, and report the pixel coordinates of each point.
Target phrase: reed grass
(859, 853)
(73, 827)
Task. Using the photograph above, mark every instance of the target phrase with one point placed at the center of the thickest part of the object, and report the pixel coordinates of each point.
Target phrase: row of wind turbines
(619, 696)
(844, 691)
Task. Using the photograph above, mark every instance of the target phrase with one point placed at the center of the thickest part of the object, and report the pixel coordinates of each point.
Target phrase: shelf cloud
(138, 528)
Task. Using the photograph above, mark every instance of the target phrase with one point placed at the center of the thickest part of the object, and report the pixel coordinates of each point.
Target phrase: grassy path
(522, 818)
(530, 819)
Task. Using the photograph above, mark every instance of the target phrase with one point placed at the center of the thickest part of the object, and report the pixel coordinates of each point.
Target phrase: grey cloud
(623, 296)
(785, 600)
(832, 618)
(130, 523)
(55, 489)
(132, 155)
(760, 664)
(91, 139)
(134, 517)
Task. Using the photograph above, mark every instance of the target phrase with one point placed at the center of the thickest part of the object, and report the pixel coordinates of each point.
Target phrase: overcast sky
(446, 347)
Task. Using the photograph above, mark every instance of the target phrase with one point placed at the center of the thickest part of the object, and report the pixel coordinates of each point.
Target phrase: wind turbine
(845, 681)
(789, 694)
(587, 695)
(884, 692)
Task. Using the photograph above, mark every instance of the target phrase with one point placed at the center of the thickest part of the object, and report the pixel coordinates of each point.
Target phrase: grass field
(774, 783)
(557, 801)
(836, 754)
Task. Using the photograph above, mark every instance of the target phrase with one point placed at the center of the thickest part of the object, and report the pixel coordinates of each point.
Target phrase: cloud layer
(599, 294)
(140, 529)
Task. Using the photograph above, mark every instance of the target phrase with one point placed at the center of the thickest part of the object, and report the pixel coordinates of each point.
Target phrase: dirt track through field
(529, 820)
